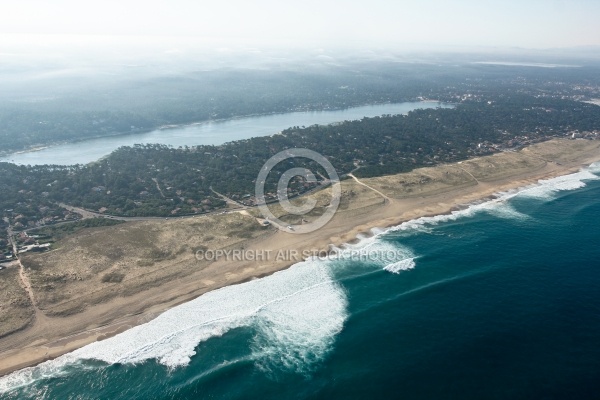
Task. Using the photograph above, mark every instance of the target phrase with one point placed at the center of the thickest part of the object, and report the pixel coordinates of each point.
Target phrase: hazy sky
(514, 23)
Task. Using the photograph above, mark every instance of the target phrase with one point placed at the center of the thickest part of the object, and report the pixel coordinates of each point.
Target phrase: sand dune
(102, 281)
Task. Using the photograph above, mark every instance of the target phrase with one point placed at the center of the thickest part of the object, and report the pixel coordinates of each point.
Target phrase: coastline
(122, 313)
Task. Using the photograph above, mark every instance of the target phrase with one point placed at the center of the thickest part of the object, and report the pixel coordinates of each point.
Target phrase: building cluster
(590, 135)
(30, 243)
(26, 218)
(6, 251)
(296, 188)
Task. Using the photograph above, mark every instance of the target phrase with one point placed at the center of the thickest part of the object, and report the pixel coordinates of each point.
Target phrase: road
(468, 173)
(158, 187)
(25, 283)
(229, 200)
(91, 214)
(239, 206)
(387, 199)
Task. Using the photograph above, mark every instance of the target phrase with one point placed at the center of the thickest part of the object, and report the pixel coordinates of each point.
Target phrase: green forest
(62, 111)
(157, 180)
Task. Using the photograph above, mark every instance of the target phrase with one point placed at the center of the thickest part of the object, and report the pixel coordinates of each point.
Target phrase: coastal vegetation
(158, 180)
(52, 233)
(116, 276)
(127, 259)
(16, 311)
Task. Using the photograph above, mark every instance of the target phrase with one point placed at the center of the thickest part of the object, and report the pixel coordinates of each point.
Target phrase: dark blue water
(502, 303)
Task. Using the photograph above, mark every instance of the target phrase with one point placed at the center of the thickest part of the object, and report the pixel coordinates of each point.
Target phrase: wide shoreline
(116, 316)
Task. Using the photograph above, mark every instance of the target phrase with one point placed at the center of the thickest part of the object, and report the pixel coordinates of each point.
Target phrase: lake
(207, 133)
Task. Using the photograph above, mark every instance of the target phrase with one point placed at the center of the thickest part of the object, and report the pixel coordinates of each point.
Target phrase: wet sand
(375, 207)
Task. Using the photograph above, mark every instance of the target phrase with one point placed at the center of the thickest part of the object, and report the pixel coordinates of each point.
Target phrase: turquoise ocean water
(500, 300)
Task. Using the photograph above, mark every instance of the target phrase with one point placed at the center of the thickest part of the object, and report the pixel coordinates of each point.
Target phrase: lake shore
(379, 203)
(155, 134)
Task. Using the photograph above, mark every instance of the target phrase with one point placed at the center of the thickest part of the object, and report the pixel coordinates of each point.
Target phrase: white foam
(594, 168)
(548, 188)
(403, 265)
(296, 334)
(374, 250)
(296, 313)
(499, 206)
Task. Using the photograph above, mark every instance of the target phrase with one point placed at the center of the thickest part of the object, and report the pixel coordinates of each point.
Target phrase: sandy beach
(76, 308)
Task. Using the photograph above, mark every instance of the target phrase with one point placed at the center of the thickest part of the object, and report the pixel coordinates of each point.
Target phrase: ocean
(498, 300)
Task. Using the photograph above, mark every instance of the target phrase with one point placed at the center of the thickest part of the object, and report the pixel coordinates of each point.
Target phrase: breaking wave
(500, 207)
(548, 188)
(403, 265)
(376, 250)
(295, 313)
